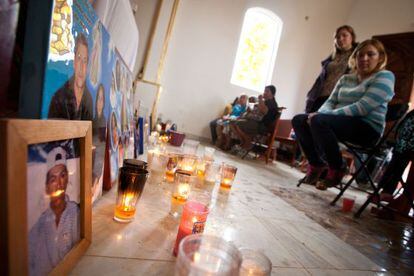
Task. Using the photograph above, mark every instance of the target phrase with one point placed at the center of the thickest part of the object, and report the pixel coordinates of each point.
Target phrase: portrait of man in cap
(57, 230)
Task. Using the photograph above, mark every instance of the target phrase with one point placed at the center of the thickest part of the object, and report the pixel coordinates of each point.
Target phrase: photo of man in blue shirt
(57, 230)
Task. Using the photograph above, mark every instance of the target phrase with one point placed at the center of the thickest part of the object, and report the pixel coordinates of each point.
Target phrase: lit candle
(187, 163)
(188, 168)
(228, 173)
(169, 175)
(130, 186)
(226, 183)
(126, 209)
(201, 168)
(182, 193)
(193, 221)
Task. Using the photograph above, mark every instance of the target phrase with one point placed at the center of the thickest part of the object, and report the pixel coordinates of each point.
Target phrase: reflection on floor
(389, 244)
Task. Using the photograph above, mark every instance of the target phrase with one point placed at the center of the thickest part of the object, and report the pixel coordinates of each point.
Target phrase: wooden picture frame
(15, 137)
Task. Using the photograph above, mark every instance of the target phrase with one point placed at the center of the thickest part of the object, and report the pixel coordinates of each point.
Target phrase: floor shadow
(390, 244)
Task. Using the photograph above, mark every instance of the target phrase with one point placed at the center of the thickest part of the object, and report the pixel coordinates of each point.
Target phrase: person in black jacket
(333, 68)
(246, 129)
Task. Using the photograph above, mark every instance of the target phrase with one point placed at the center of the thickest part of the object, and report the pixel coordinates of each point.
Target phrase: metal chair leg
(342, 190)
(375, 192)
(300, 182)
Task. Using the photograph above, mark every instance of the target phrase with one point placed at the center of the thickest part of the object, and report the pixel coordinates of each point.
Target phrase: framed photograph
(46, 198)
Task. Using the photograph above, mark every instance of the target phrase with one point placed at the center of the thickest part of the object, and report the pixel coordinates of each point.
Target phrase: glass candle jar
(194, 217)
(130, 187)
(254, 263)
(207, 255)
(181, 189)
(171, 167)
(187, 163)
(228, 173)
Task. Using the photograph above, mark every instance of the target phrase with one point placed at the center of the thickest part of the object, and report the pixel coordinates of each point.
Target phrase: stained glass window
(256, 53)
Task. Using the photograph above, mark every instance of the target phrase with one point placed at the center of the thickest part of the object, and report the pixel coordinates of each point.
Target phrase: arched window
(256, 53)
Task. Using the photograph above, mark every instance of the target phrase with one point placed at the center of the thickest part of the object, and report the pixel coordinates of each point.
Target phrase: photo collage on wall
(121, 130)
(86, 79)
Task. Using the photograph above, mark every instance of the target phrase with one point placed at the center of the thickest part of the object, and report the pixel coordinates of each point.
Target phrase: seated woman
(223, 124)
(213, 124)
(354, 112)
(245, 129)
(402, 154)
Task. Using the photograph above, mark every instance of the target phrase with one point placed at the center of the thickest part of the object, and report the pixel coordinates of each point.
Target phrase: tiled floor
(251, 215)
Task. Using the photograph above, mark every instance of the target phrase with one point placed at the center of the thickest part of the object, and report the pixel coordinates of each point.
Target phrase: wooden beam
(162, 59)
(154, 24)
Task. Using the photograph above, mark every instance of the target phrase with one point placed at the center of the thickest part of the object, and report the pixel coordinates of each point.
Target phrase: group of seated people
(247, 118)
(347, 103)
(354, 111)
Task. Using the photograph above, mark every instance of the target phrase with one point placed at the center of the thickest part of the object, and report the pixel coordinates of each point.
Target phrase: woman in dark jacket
(333, 68)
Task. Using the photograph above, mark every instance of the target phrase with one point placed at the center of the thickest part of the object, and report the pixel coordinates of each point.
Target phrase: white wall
(196, 79)
(203, 47)
(378, 17)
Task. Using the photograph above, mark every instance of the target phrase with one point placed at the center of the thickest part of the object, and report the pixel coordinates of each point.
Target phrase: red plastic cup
(348, 203)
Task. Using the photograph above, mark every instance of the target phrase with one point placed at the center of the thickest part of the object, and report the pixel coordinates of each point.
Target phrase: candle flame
(196, 257)
(57, 193)
(183, 189)
(127, 202)
(188, 168)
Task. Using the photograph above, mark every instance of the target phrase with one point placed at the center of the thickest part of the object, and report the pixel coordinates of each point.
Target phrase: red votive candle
(194, 216)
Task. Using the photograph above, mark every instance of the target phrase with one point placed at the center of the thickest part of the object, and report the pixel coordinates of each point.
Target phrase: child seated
(223, 124)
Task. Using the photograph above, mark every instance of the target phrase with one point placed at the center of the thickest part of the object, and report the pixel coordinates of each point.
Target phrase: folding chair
(405, 189)
(394, 115)
(265, 140)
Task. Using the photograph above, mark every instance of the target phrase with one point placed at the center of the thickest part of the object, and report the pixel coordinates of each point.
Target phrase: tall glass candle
(130, 187)
(158, 167)
(228, 173)
(187, 163)
(211, 175)
(171, 167)
(194, 216)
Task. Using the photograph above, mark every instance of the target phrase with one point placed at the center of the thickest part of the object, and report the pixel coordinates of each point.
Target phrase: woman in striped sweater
(355, 112)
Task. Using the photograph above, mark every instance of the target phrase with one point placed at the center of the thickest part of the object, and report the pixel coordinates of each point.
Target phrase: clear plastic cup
(209, 153)
(254, 263)
(158, 167)
(207, 255)
(190, 146)
(211, 175)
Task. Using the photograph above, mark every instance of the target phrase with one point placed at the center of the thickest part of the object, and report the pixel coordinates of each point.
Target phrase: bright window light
(256, 53)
